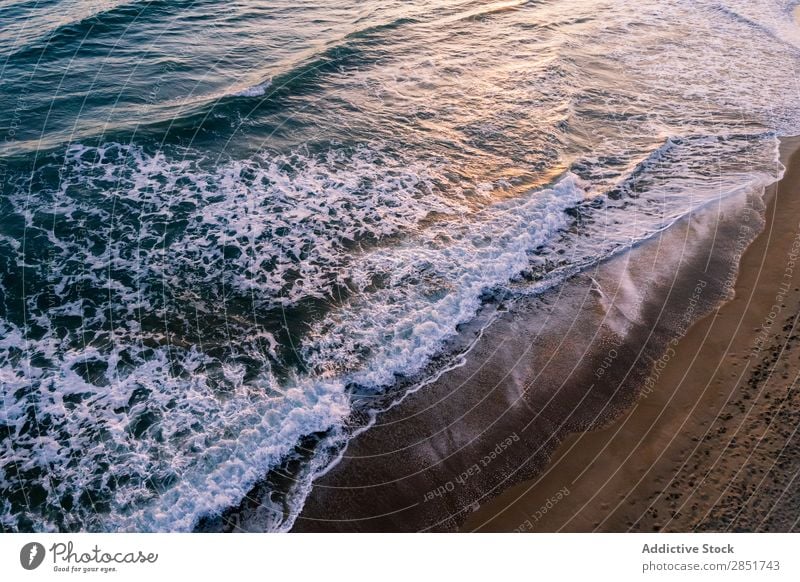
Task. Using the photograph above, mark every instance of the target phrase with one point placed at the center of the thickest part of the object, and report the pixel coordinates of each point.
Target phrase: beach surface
(649, 392)
(713, 444)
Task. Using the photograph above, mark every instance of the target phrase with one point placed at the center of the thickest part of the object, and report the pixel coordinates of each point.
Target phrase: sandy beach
(713, 445)
(623, 399)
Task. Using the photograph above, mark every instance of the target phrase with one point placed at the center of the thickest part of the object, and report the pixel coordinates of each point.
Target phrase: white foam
(254, 90)
(213, 432)
(205, 448)
(434, 283)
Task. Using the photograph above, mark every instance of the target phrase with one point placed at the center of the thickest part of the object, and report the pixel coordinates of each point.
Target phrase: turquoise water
(230, 232)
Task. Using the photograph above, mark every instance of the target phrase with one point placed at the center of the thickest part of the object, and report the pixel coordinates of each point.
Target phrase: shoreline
(705, 450)
(522, 419)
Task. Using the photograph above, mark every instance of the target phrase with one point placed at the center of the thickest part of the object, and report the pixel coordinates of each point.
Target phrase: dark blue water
(231, 231)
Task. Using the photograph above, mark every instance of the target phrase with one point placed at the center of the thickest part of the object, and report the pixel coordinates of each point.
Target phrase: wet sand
(715, 445)
(597, 404)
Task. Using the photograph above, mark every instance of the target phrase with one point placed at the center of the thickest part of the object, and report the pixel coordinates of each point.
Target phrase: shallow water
(228, 232)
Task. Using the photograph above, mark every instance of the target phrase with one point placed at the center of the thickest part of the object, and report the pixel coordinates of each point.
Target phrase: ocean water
(232, 231)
